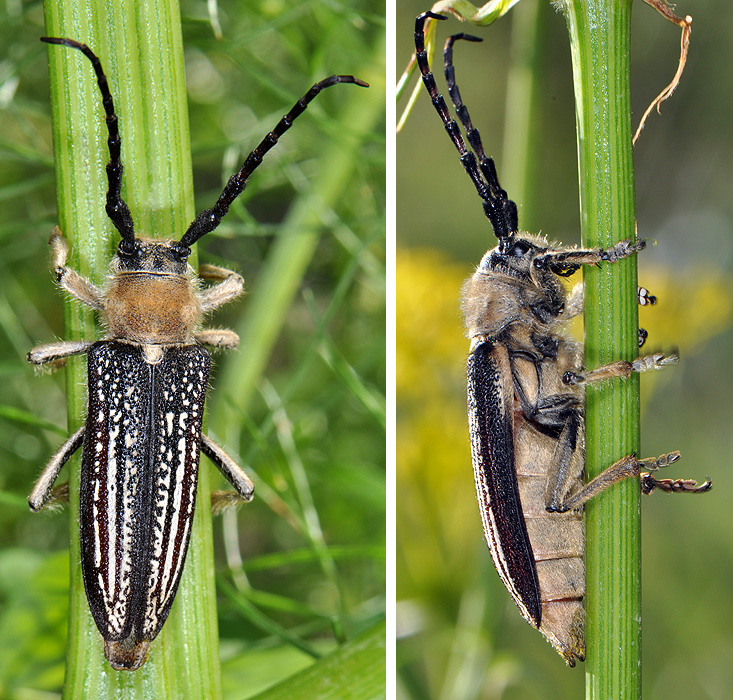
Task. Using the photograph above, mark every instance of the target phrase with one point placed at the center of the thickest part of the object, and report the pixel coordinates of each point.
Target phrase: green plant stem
(141, 49)
(599, 39)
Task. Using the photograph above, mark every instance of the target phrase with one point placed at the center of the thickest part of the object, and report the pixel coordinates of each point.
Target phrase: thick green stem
(599, 38)
(141, 49)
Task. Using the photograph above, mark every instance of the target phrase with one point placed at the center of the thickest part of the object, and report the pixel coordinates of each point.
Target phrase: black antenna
(209, 219)
(499, 209)
(117, 210)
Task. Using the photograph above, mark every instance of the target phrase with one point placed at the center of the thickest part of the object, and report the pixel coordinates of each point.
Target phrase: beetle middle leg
(218, 338)
(574, 305)
(230, 286)
(622, 368)
(50, 353)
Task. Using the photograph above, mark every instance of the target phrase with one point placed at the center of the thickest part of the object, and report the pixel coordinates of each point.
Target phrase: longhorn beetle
(146, 389)
(525, 395)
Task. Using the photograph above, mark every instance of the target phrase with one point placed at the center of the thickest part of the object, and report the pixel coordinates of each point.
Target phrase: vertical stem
(140, 46)
(599, 38)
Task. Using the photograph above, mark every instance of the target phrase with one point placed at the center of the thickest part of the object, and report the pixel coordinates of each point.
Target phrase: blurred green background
(460, 635)
(246, 64)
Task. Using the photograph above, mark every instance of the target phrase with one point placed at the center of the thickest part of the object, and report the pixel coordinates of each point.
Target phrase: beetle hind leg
(629, 467)
(44, 493)
(232, 472)
(649, 483)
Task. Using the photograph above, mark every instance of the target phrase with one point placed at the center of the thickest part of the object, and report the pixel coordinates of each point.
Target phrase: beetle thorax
(145, 307)
(507, 289)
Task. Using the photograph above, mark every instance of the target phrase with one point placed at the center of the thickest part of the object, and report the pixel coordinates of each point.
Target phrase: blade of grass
(356, 671)
(599, 39)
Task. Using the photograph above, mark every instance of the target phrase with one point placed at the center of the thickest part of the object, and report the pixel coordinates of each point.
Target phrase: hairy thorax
(148, 307)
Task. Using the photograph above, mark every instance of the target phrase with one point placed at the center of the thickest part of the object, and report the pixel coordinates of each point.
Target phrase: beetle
(146, 390)
(525, 395)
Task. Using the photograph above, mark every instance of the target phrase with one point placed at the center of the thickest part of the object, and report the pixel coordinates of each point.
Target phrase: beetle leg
(43, 492)
(561, 475)
(52, 352)
(574, 304)
(564, 262)
(79, 287)
(217, 338)
(644, 297)
(628, 467)
(563, 415)
(230, 286)
(621, 368)
(232, 472)
(649, 484)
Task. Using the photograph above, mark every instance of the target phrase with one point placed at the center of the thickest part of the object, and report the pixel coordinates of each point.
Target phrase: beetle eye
(126, 248)
(519, 249)
(181, 251)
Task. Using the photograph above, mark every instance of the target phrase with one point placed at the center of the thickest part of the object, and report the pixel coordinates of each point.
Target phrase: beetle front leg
(79, 287)
(565, 262)
(231, 285)
(43, 492)
(232, 472)
(574, 304)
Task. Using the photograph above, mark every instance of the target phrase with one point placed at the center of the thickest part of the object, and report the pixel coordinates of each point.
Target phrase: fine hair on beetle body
(526, 386)
(147, 382)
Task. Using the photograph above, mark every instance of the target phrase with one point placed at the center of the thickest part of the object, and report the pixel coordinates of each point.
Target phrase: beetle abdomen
(539, 555)
(138, 487)
(557, 541)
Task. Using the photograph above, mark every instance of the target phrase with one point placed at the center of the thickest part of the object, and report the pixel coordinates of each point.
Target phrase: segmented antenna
(209, 219)
(499, 209)
(117, 210)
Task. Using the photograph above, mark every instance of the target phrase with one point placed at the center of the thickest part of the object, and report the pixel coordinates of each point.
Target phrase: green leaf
(355, 672)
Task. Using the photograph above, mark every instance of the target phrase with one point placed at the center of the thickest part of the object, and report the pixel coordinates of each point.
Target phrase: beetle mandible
(525, 395)
(146, 389)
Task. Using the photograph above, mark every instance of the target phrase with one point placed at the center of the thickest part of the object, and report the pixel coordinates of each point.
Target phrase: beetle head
(153, 256)
(515, 256)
